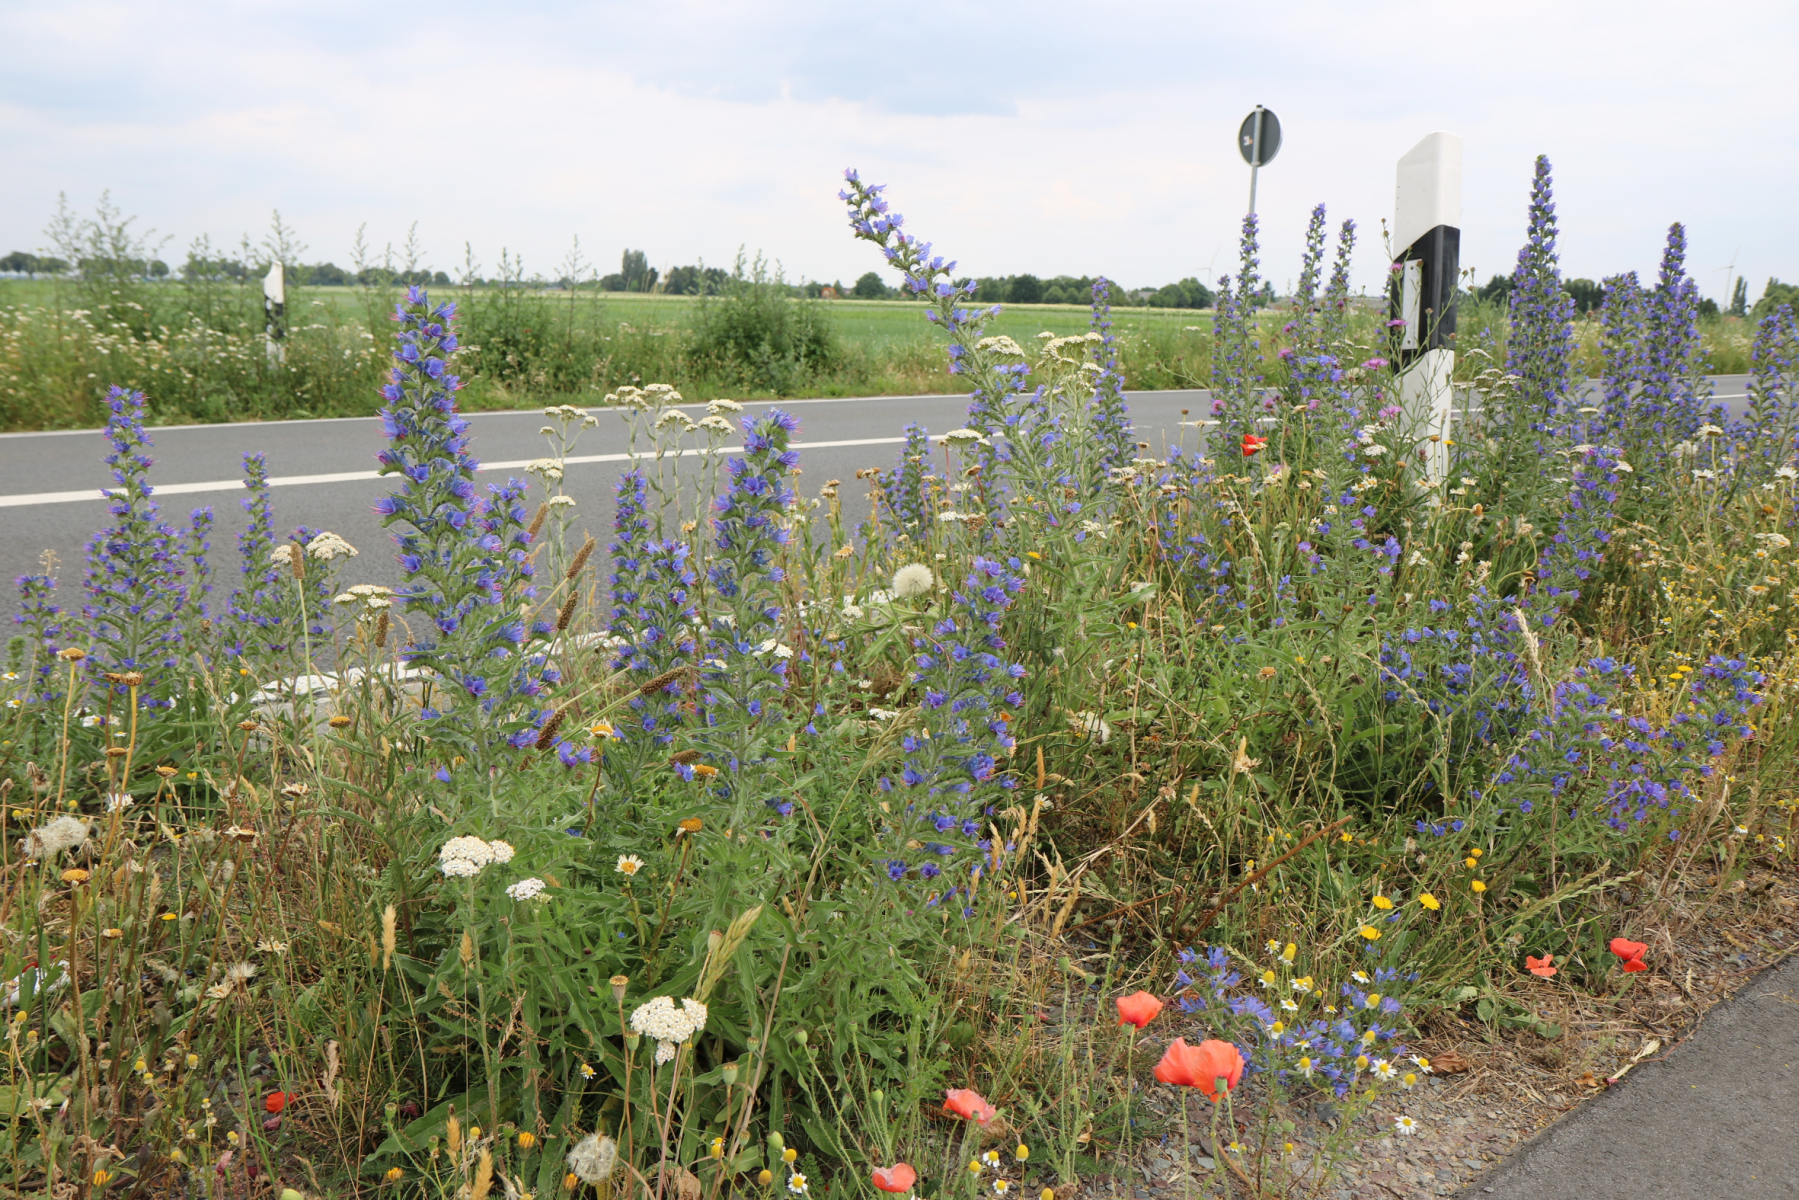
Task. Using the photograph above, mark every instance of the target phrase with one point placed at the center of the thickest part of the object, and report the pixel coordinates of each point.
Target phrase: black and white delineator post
(1427, 235)
(274, 310)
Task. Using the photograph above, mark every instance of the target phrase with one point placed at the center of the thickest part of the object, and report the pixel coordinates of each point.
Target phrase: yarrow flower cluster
(527, 889)
(660, 1020)
(464, 857)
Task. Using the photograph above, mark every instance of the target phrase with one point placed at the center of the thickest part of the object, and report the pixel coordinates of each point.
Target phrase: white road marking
(232, 485)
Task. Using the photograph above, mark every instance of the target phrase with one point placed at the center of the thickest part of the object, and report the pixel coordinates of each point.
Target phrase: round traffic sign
(1270, 139)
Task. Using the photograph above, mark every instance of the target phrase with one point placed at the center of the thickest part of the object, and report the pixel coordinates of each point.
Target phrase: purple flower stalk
(904, 492)
(1236, 374)
(1541, 341)
(1109, 414)
(42, 623)
(951, 776)
(136, 587)
(744, 675)
(465, 556)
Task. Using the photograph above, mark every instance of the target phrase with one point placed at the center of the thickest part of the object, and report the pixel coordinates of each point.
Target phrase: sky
(1050, 137)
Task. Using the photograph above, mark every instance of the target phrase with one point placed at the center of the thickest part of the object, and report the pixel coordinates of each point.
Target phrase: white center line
(232, 485)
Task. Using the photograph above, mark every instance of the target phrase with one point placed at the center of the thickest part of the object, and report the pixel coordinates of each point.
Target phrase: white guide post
(1427, 217)
(274, 308)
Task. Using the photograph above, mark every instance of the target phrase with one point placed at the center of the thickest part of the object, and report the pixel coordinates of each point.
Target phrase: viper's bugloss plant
(40, 619)
(993, 367)
(1541, 341)
(260, 624)
(465, 556)
(1622, 319)
(1237, 394)
(1110, 415)
(1674, 388)
(136, 583)
(1771, 425)
(952, 775)
(745, 667)
(655, 618)
(904, 496)
(1578, 544)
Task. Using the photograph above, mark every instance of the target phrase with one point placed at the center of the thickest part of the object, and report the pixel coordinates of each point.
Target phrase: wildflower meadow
(1081, 798)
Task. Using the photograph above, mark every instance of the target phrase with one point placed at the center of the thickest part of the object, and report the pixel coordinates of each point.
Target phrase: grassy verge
(199, 349)
(737, 852)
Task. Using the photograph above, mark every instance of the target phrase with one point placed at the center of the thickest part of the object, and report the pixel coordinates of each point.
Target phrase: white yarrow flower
(526, 889)
(328, 546)
(463, 857)
(502, 851)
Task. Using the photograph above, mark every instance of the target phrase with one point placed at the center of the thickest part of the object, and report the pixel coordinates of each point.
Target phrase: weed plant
(756, 853)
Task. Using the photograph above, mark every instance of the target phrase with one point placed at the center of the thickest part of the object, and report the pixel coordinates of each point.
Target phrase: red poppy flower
(276, 1101)
(1632, 954)
(1201, 1066)
(897, 1178)
(1138, 1008)
(1252, 443)
(1540, 966)
(966, 1102)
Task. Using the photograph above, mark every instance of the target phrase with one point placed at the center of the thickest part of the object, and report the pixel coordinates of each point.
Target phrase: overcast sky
(1048, 137)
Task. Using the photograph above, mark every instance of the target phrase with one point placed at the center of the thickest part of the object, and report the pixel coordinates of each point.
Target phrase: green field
(198, 351)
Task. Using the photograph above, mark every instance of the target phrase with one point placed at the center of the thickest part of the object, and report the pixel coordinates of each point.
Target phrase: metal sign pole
(1255, 159)
(1258, 141)
(1427, 235)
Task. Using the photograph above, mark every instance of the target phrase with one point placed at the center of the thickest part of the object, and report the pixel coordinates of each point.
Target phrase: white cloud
(1049, 137)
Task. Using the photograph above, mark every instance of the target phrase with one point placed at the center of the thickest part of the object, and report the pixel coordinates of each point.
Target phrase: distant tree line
(1588, 296)
(1062, 289)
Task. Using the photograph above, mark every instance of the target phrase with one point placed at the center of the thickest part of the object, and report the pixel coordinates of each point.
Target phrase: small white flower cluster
(716, 425)
(546, 469)
(650, 399)
(463, 857)
(371, 596)
(327, 546)
(721, 407)
(677, 420)
(527, 889)
(669, 1026)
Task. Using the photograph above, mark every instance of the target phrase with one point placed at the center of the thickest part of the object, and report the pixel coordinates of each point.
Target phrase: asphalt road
(323, 472)
(1717, 1116)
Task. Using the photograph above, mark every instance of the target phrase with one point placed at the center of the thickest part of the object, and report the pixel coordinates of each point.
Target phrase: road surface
(324, 472)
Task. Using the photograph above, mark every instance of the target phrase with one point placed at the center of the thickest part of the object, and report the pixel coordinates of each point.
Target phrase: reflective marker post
(1427, 216)
(1258, 141)
(274, 311)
